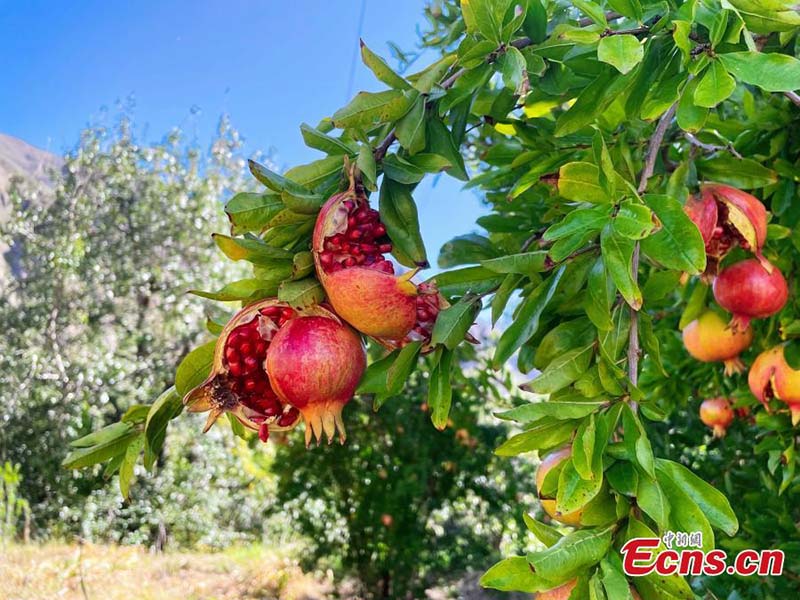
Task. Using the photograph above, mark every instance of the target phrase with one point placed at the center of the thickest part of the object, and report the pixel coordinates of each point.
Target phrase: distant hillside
(20, 158)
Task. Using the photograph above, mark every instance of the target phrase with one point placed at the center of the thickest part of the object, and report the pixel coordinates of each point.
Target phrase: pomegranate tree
(709, 339)
(750, 290)
(717, 414)
(772, 377)
(315, 367)
(351, 250)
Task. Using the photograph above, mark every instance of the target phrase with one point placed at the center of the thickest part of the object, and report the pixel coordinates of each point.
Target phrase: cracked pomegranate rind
(750, 291)
(315, 364)
(709, 339)
(728, 217)
(772, 377)
(349, 247)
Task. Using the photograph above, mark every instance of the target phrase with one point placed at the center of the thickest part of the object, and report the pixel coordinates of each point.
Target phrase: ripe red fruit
(717, 414)
(550, 462)
(562, 592)
(349, 245)
(750, 291)
(709, 339)
(240, 382)
(772, 377)
(727, 217)
(387, 520)
(315, 363)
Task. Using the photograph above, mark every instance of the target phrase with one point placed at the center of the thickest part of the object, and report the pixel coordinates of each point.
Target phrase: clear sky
(270, 64)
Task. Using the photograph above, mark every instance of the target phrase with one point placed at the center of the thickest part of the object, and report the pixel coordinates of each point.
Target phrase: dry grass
(69, 572)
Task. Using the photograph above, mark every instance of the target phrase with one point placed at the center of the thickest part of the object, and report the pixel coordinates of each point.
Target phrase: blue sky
(270, 64)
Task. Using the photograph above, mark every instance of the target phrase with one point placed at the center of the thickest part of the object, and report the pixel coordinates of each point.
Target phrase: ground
(71, 572)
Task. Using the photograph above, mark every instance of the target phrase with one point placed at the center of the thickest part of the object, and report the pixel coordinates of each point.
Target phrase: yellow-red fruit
(550, 462)
(349, 244)
(709, 339)
(562, 592)
(772, 377)
(750, 290)
(717, 414)
(315, 363)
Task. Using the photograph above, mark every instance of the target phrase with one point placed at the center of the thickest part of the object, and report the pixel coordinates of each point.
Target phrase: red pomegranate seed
(369, 248)
(355, 234)
(379, 230)
(236, 369)
(384, 248)
(348, 204)
(287, 313)
(288, 418)
(351, 221)
(349, 262)
(250, 364)
(250, 385)
(230, 354)
(261, 348)
(326, 258)
(246, 348)
(272, 408)
(355, 250)
(263, 432)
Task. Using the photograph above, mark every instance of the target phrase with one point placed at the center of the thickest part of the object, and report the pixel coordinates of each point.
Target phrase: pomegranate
(550, 462)
(717, 414)
(314, 364)
(349, 245)
(239, 382)
(750, 291)
(727, 217)
(709, 339)
(562, 592)
(772, 377)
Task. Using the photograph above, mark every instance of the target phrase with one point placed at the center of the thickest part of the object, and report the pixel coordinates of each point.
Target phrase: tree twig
(647, 172)
(711, 147)
(793, 96)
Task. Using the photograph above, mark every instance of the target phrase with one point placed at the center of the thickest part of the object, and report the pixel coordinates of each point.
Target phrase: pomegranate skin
(750, 207)
(772, 377)
(709, 339)
(750, 291)
(717, 414)
(703, 211)
(550, 462)
(315, 364)
(562, 592)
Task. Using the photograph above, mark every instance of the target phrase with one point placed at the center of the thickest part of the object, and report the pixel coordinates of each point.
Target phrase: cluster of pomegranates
(749, 289)
(275, 365)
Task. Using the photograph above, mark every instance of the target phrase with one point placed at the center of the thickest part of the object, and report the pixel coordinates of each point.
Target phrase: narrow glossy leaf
(562, 371)
(570, 407)
(440, 391)
(575, 492)
(580, 181)
(304, 204)
(691, 116)
(524, 263)
(319, 175)
(711, 501)
(566, 336)
(375, 377)
(739, 172)
(617, 258)
(634, 221)
(426, 80)
(410, 130)
(401, 171)
(526, 322)
(251, 250)
(314, 138)
(715, 86)
(600, 292)
(657, 586)
(695, 305)
(651, 499)
(544, 533)
(399, 215)
(593, 10)
(628, 8)
(582, 220)
(440, 141)
(572, 553)
(503, 295)
(194, 368)
(467, 249)
(513, 67)
(368, 109)
(369, 169)
(479, 17)
(402, 367)
(623, 52)
(637, 442)
(167, 407)
(102, 451)
(251, 212)
(471, 280)
(104, 435)
(245, 290)
(770, 72)
(301, 294)
(381, 70)
(678, 244)
(546, 433)
(127, 465)
(272, 180)
(302, 265)
(512, 574)
(685, 514)
(453, 322)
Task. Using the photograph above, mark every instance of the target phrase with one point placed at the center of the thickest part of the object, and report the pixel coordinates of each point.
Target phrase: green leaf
(544, 533)
(512, 574)
(562, 371)
(251, 212)
(381, 70)
(375, 377)
(685, 514)
(678, 244)
(575, 492)
(103, 435)
(546, 433)
(479, 17)
(314, 138)
(453, 322)
(637, 442)
(319, 175)
(617, 257)
(302, 265)
(715, 86)
(127, 465)
(572, 553)
(410, 130)
(399, 215)
(440, 141)
(582, 220)
(249, 249)
(245, 290)
(427, 79)
(402, 367)
(770, 72)
(503, 295)
(440, 391)
(194, 368)
(526, 322)
(600, 292)
(368, 167)
(613, 578)
(303, 204)
(167, 407)
(524, 263)
(368, 109)
(651, 499)
(513, 67)
(690, 116)
(573, 406)
(580, 181)
(711, 501)
(301, 294)
(623, 52)
(108, 447)
(593, 10)
(272, 180)
(627, 8)
(470, 280)
(400, 170)
(634, 221)
(466, 249)
(739, 172)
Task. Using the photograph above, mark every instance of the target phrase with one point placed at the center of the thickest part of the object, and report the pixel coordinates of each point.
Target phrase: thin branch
(647, 172)
(711, 147)
(793, 96)
(636, 31)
